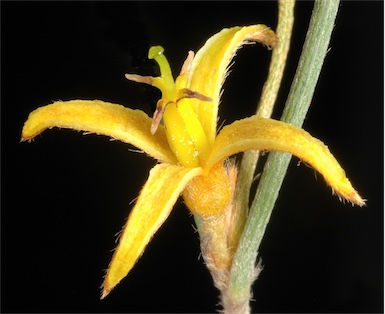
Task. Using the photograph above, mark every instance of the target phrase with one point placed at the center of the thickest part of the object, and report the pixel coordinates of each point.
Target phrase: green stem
(264, 109)
(301, 92)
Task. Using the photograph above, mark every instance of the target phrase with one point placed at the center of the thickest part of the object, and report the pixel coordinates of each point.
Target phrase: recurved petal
(209, 67)
(155, 202)
(124, 124)
(267, 134)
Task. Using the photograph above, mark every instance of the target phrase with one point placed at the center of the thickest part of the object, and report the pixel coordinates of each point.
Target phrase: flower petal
(209, 67)
(267, 134)
(153, 206)
(124, 124)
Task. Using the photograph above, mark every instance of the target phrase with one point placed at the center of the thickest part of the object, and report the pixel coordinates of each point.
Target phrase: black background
(66, 195)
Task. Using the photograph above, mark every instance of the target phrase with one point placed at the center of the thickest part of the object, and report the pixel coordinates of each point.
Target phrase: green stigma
(165, 82)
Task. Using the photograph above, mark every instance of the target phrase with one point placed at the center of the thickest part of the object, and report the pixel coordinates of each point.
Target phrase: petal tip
(106, 288)
(105, 292)
(353, 197)
(357, 200)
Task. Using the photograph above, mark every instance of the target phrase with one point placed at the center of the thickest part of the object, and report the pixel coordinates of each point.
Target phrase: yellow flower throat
(185, 133)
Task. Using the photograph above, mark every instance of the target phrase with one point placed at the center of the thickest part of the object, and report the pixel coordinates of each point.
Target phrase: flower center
(185, 133)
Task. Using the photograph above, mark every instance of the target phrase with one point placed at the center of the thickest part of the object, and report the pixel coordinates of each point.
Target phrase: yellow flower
(193, 159)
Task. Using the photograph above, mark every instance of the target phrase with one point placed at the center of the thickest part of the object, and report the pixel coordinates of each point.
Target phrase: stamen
(186, 67)
(188, 93)
(158, 114)
(139, 78)
(179, 139)
(194, 128)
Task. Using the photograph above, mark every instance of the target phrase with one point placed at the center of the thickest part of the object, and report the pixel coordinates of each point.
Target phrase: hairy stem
(312, 57)
(264, 109)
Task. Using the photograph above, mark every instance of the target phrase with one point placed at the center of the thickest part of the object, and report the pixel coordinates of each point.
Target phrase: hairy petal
(210, 65)
(124, 124)
(267, 134)
(153, 206)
